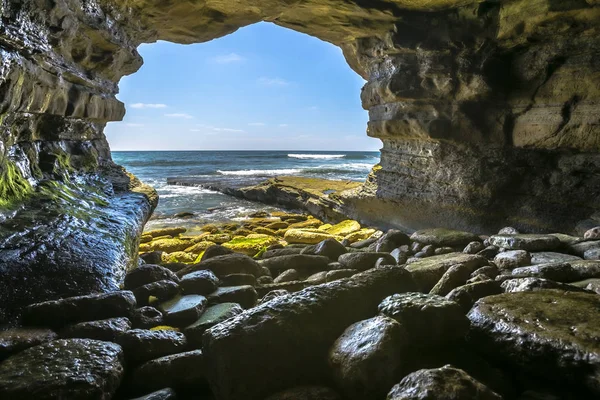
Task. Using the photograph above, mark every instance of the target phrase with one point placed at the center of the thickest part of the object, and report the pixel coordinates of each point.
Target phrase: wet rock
(528, 242)
(363, 261)
(18, 339)
(272, 295)
(181, 371)
(174, 266)
(63, 369)
(162, 290)
(154, 257)
(58, 313)
(306, 237)
(264, 280)
(441, 237)
(225, 265)
(141, 345)
(199, 282)
(361, 244)
(148, 273)
(554, 337)
(245, 296)
(238, 280)
(592, 234)
(163, 394)
(429, 319)
(446, 383)
(454, 277)
(592, 254)
(444, 250)
(533, 284)
(265, 332)
(214, 251)
(293, 286)
(512, 259)
(427, 272)
(166, 232)
(400, 254)
(491, 271)
(287, 276)
(212, 316)
(286, 251)
(508, 230)
(581, 248)
(478, 278)
(468, 294)
(303, 263)
(547, 257)
(306, 393)
(183, 310)
(384, 261)
(593, 285)
(108, 330)
(317, 279)
(560, 272)
(489, 252)
(391, 240)
(340, 274)
(329, 248)
(146, 317)
(474, 248)
(366, 358)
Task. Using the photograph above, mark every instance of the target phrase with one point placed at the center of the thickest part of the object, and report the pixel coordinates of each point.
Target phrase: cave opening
(262, 102)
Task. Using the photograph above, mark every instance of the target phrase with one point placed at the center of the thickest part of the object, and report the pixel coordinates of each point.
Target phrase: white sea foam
(317, 156)
(178, 191)
(261, 172)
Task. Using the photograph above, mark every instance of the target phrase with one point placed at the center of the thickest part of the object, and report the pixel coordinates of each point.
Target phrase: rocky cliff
(488, 111)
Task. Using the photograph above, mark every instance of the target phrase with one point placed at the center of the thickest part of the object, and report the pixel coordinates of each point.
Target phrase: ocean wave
(316, 156)
(171, 191)
(262, 172)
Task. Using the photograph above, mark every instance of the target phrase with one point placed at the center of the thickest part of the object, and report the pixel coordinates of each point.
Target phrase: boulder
(162, 290)
(183, 310)
(199, 247)
(147, 273)
(528, 242)
(489, 252)
(592, 254)
(163, 394)
(473, 247)
(245, 295)
(168, 245)
(146, 317)
(400, 254)
(340, 274)
(292, 286)
(581, 248)
(560, 272)
(15, 340)
(225, 265)
(454, 277)
(288, 275)
(364, 260)
(200, 282)
(317, 279)
(251, 244)
(329, 248)
(306, 237)
(553, 338)
(166, 232)
(491, 271)
(63, 369)
(533, 284)
(291, 355)
(215, 250)
(361, 244)
(141, 345)
(592, 234)
(512, 259)
(212, 316)
(300, 262)
(154, 257)
(286, 251)
(468, 294)
(238, 280)
(441, 237)
(548, 257)
(306, 393)
(391, 240)
(272, 295)
(446, 383)
(58, 313)
(181, 371)
(344, 228)
(366, 358)
(427, 272)
(108, 329)
(429, 319)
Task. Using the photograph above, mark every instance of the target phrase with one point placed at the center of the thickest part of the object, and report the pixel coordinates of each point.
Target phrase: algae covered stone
(166, 245)
(444, 237)
(251, 244)
(529, 242)
(306, 237)
(428, 271)
(344, 228)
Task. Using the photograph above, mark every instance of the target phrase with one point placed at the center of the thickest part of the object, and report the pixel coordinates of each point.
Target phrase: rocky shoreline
(285, 306)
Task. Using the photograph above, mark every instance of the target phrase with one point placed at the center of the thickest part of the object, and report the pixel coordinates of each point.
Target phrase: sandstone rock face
(546, 333)
(291, 356)
(487, 111)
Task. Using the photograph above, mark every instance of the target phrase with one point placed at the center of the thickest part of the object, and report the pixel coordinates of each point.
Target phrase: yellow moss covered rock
(265, 231)
(199, 247)
(165, 232)
(179, 257)
(362, 234)
(145, 238)
(242, 232)
(309, 223)
(251, 244)
(277, 225)
(218, 238)
(164, 328)
(166, 245)
(344, 228)
(211, 228)
(303, 236)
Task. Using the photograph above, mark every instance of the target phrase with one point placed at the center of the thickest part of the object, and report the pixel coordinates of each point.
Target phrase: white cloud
(195, 130)
(228, 130)
(179, 115)
(273, 81)
(228, 58)
(216, 129)
(257, 124)
(313, 108)
(283, 125)
(131, 125)
(148, 105)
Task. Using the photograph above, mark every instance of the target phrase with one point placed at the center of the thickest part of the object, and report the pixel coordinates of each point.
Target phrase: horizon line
(357, 151)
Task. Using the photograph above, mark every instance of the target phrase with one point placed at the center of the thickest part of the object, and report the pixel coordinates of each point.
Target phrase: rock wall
(488, 110)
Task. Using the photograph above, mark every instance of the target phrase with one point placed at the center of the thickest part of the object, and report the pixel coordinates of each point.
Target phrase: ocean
(233, 167)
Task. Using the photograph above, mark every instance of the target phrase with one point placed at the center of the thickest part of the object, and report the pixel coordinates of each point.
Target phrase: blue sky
(261, 88)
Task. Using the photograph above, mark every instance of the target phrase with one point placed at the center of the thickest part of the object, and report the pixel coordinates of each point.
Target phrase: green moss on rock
(14, 187)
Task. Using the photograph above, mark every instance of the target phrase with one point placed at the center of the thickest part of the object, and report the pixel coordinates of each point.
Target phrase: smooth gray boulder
(292, 334)
(107, 329)
(428, 271)
(181, 371)
(528, 242)
(364, 260)
(442, 237)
